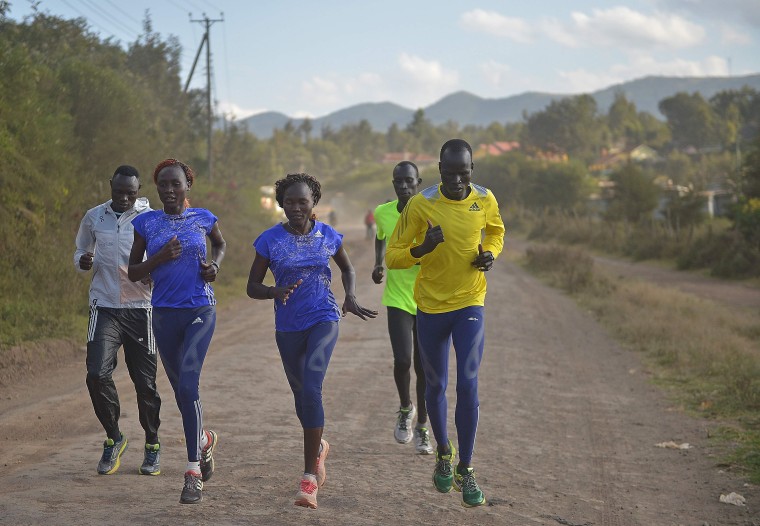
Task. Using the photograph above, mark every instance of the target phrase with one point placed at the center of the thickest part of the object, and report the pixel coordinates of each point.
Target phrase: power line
(82, 15)
(213, 6)
(120, 10)
(105, 15)
(181, 8)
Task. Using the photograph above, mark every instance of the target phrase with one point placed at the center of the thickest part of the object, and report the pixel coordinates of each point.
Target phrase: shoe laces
(107, 451)
(468, 482)
(151, 455)
(422, 432)
(308, 487)
(443, 467)
(403, 417)
(193, 482)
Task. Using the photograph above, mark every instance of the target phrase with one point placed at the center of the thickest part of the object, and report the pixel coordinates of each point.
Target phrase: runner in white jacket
(120, 314)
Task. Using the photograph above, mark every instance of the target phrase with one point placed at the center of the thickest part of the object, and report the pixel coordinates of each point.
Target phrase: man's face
(456, 173)
(406, 182)
(123, 192)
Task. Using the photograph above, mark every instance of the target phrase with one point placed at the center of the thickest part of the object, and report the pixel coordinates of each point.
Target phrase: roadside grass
(705, 355)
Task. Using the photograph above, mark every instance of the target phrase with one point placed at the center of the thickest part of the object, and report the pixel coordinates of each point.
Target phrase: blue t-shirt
(178, 283)
(292, 257)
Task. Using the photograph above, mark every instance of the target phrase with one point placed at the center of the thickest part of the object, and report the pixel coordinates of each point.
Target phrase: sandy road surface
(567, 433)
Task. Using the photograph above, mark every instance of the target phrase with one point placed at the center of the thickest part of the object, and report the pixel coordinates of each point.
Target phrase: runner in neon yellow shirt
(398, 297)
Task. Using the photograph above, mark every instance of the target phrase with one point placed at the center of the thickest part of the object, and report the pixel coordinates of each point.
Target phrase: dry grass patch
(705, 354)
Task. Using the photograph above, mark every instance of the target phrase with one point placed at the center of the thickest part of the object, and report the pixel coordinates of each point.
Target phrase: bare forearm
(379, 252)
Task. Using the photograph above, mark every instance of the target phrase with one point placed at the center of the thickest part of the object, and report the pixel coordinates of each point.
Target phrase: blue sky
(309, 58)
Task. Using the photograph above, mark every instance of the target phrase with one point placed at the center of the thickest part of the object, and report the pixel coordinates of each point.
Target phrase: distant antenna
(207, 22)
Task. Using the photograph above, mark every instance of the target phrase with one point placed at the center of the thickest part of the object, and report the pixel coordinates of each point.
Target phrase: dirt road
(568, 427)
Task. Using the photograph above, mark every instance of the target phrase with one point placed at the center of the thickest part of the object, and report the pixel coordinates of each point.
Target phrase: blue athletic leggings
(435, 333)
(183, 337)
(305, 356)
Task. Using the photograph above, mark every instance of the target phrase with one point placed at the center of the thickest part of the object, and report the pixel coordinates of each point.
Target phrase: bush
(568, 268)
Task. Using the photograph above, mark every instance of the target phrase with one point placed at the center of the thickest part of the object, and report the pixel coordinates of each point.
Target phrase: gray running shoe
(404, 432)
(111, 459)
(192, 491)
(152, 461)
(422, 440)
(207, 455)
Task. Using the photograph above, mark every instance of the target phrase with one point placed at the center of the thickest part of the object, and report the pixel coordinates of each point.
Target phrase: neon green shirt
(399, 285)
(447, 280)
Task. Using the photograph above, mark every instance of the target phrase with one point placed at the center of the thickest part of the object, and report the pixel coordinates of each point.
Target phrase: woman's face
(172, 187)
(297, 202)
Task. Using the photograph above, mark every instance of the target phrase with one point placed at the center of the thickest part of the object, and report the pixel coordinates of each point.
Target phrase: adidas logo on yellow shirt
(474, 207)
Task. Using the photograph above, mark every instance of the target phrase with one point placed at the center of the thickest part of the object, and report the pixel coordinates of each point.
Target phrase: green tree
(623, 122)
(569, 125)
(691, 120)
(636, 195)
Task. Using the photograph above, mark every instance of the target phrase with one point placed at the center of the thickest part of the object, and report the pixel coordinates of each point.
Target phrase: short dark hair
(127, 171)
(407, 163)
(456, 145)
(281, 185)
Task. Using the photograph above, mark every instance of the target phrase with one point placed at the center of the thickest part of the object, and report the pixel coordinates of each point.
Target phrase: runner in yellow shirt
(450, 292)
(398, 297)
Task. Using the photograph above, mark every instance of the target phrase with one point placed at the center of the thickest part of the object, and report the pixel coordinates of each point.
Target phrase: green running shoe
(443, 477)
(465, 482)
(111, 458)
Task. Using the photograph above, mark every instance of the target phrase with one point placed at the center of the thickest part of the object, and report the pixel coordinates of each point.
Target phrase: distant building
(495, 148)
(613, 158)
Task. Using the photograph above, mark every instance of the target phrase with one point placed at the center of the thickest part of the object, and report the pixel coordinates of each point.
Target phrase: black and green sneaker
(464, 481)
(152, 461)
(443, 477)
(111, 458)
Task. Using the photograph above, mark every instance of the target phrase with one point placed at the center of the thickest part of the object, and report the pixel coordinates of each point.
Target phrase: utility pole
(207, 22)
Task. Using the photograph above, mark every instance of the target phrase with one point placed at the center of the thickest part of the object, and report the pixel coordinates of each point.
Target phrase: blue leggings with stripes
(436, 332)
(305, 356)
(183, 337)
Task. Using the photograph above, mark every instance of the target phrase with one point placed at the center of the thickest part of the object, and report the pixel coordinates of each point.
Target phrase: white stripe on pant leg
(199, 429)
(151, 338)
(93, 323)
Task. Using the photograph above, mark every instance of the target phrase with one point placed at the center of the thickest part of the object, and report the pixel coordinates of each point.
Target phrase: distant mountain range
(468, 109)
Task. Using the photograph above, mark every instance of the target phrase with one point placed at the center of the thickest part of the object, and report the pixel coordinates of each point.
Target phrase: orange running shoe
(321, 471)
(307, 492)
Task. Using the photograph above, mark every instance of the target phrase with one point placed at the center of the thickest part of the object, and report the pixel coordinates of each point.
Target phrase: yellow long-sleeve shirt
(447, 280)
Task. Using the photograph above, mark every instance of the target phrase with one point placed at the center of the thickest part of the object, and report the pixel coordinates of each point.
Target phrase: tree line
(74, 106)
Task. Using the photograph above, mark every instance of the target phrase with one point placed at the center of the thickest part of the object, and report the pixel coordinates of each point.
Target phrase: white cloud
(320, 90)
(746, 12)
(426, 71)
(414, 82)
(232, 110)
(561, 33)
(495, 73)
(624, 27)
(494, 23)
(583, 81)
(731, 35)
(421, 81)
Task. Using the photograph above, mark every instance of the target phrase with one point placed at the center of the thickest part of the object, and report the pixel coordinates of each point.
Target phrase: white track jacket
(110, 239)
